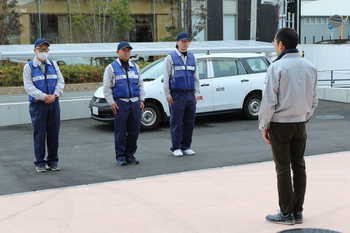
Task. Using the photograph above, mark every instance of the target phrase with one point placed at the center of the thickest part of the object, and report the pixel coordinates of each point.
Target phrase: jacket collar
(284, 52)
(130, 63)
(179, 53)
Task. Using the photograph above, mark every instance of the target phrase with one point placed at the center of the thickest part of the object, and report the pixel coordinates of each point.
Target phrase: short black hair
(288, 36)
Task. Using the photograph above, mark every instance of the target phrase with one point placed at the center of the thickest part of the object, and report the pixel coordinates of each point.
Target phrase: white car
(228, 82)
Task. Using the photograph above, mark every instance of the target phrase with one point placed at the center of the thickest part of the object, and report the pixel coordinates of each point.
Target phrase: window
(153, 70)
(143, 28)
(255, 65)
(202, 69)
(240, 68)
(45, 26)
(307, 20)
(229, 27)
(227, 67)
(201, 36)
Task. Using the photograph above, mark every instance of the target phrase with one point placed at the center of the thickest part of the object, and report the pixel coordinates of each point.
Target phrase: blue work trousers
(46, 123)
(126, 129)
(182, 118)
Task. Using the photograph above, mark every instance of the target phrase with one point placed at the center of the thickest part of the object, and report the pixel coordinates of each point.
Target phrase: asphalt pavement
(87, 156)
(228, 186)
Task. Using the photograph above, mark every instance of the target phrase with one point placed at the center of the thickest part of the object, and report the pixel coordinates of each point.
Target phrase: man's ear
(281, 45)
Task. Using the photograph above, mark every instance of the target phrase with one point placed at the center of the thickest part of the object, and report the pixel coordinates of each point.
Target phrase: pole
(285, 13)
(182, 13)
(153, 10)
(280, 14)
(332, 78)
(70, 21)
(289, 20)
(341, 28)
(253, 13)
(39, 18)
(298, 21)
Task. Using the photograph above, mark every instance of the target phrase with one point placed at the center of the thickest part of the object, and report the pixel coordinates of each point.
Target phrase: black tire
(251, 106)
(150, 117)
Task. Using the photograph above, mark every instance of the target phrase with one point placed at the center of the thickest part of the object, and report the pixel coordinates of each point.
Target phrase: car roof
(228, 55)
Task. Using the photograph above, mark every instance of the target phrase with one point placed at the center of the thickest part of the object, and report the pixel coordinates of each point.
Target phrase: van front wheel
(150, 117)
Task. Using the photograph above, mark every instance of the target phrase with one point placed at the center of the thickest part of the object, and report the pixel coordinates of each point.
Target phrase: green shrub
(142, 64)
(82, 73)
(12, 75)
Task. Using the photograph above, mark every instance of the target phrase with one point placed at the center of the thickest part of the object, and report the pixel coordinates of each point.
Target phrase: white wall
(328, 57)
(18, 113)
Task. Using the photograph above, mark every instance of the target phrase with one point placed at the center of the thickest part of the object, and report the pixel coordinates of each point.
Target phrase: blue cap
(123, 45)
(182, 36)
(40, 42)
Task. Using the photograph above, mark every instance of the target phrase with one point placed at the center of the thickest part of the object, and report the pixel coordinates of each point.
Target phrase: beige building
(51, 19)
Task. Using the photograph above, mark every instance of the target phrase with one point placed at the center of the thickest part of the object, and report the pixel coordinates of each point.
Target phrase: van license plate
(94, 110)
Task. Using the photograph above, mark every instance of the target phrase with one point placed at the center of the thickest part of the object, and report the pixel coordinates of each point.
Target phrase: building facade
(315, 20)
(225, 20)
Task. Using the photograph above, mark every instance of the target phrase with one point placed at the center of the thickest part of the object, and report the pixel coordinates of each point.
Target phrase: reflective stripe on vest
(39, 79)
(183, 74)
(126, 86)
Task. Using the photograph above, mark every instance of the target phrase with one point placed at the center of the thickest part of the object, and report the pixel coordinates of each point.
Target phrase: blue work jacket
(44, 82)
(183, 74)
(126, 84)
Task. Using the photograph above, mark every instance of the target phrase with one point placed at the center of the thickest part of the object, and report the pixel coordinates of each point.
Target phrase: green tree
(192, 18)
(102, 20)
(10, 24)
(173, 31)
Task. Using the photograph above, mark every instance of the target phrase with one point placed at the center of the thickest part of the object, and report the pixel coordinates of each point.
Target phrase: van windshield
(153, 70)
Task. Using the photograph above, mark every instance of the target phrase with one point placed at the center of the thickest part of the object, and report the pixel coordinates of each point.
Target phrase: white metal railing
(338, 77)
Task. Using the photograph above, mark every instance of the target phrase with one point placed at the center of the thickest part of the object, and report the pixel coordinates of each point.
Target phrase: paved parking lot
(86, 149)
(225, 187)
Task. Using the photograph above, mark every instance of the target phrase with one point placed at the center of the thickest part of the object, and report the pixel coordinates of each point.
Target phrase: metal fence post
(331, 78)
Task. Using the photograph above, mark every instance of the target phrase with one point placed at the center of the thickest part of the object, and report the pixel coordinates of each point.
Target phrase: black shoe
(132, 161)
(121, 162)
(53, 167)
(298, 217)
(281, 219)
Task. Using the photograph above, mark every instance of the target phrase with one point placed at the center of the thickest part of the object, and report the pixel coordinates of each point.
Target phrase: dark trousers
(288, 147)
(182, 118)
(46, 123)
(126, 128)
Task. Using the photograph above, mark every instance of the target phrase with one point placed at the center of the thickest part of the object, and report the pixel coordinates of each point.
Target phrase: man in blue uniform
(181, 87)
(44, 84)
(123, 90)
